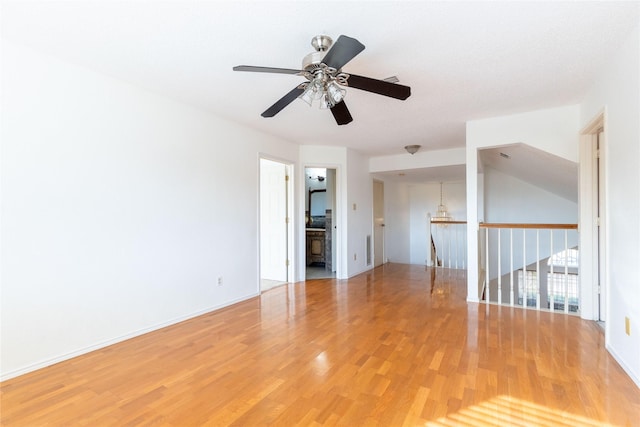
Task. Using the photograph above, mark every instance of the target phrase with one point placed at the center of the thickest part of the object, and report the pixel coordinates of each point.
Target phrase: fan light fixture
(324, 81)
(412, 149)
(322, 87)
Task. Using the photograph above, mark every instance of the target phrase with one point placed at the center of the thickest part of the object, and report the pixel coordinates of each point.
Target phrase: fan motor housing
(312, 60)
(321, 44)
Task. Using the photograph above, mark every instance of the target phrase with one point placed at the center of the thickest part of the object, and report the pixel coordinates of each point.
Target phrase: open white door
(273, 223)
(600, 226)
(593, 222)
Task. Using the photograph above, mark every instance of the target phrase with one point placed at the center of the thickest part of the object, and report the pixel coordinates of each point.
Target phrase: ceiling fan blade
(341, 113)
(266, 69)
(342, 51)
(283, 102)
(380, 87)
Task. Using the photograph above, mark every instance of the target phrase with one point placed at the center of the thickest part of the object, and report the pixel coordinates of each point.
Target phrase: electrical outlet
(627, 325)
(219, 280)
(354, 206)
(355, 257)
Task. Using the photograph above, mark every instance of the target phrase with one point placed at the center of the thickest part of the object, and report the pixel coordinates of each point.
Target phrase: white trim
(624, 367)
(373, 232)
(63, 357)
(291, 213)
(473, 194)
(338, 219)
(586, 223)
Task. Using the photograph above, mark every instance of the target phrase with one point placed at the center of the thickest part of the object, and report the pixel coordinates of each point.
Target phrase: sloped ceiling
(554, 174)
(463, 60)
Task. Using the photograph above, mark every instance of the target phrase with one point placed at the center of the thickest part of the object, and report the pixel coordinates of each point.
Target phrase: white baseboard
(624, 366)
(61, 358)
(366, 269)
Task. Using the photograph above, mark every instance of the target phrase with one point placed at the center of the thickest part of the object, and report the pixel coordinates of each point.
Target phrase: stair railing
(448, 243)
(530, 265)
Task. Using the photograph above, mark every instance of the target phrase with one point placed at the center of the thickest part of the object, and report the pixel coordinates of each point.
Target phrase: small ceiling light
(412, 149)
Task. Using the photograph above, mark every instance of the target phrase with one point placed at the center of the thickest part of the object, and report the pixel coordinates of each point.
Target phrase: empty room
(320, 213)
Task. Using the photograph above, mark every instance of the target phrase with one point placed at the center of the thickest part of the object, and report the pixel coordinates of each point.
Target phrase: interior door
(273, 221)
(602, 312)
(378, 223)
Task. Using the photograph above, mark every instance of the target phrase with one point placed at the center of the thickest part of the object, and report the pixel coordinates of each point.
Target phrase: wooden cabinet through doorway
(315, 246)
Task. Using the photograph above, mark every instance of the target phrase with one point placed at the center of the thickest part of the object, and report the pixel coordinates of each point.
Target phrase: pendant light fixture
(442, 214)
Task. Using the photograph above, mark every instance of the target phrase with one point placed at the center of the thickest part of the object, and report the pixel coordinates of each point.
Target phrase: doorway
(599, 209)
(593, 221)
(320, 223)
(275, 224)
(378, 223)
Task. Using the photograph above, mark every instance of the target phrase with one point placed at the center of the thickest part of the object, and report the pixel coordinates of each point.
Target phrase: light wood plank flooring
(397, 346)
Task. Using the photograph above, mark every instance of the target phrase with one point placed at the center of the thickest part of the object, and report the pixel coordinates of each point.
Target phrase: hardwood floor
(397, 346)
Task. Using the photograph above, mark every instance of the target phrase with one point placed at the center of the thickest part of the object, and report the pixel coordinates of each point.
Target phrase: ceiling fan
(325, 80)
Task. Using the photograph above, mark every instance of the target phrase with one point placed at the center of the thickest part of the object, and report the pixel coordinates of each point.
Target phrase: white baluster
(537, 269)
(578, 287)
(457, 245)
(524, 267)
(511, 265)
(499, 271)
(566, 271)
(449, 245)
(486, 274)
(552, 305)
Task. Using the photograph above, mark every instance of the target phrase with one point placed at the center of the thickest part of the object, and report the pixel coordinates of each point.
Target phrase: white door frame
(337, 218)
(593, 247)
(290, 205)
(378, 228)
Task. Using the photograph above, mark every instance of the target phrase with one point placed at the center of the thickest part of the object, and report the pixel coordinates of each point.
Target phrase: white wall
(397, 228)
(407, 206)
(424, 200)
(419, 160)
(617, 91)
(359, 213)
(120, 209)
(553, 130)
(510, 200)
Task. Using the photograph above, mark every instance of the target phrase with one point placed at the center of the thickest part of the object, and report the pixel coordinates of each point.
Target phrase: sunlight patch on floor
(506, 410)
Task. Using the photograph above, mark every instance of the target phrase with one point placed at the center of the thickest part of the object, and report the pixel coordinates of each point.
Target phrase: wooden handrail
(437, 261)
(517, 225)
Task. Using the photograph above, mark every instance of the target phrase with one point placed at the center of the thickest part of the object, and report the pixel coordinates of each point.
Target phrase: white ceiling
(463, 60)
